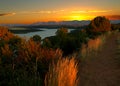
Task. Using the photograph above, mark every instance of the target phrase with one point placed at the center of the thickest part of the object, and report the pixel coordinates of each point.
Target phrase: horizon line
(55, 21)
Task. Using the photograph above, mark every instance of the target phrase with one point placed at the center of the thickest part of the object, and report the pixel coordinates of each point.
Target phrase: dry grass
(118, 48)
(92, 46)
(5, 34)
(64, 73)
(6, 51)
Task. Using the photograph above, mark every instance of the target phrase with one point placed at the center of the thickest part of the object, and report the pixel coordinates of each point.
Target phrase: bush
(98, 25)
(36, 38)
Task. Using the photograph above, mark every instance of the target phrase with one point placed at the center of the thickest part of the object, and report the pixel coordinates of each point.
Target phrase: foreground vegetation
(48, 62)
(64, 73)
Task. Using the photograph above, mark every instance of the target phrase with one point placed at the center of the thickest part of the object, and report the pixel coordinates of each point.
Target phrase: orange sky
(61, 15)
(30, 11)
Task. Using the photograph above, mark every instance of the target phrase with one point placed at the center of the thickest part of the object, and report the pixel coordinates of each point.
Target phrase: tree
(36, 38)
(62, 32)
(98, 25)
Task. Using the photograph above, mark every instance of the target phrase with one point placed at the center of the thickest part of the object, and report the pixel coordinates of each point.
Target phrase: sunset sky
(30, 11)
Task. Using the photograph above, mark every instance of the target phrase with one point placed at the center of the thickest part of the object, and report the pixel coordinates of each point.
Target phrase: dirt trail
(102, 69)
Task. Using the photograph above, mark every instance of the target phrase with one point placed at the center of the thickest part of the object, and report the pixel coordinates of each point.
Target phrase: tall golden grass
(92, 46)
(64, 73)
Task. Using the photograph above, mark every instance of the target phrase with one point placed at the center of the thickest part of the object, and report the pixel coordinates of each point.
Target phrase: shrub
(98, 25)
(62, 32)
(36, 38)
(5, 34)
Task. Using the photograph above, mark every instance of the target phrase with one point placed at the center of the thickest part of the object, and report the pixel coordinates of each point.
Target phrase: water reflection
(41, 31)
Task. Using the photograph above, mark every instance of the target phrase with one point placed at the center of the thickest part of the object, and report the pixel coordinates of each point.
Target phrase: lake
(42, 32)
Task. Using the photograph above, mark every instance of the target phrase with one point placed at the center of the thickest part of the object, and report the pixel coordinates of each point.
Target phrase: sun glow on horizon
(76, 18)
(80, 17)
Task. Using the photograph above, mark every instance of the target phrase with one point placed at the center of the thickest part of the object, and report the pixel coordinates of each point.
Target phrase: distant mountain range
(53, 23)
(68, 23)
(115, 21)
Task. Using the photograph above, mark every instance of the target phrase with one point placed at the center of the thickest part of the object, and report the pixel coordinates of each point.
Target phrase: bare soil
(102, 69)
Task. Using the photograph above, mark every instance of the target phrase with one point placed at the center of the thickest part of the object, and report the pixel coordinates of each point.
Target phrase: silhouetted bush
(62, 32)
(36, 38)
(98, 25)
(67, 42)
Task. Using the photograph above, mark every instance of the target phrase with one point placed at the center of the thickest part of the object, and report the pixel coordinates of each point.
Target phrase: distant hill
(68, 23)
(115, 21)
(53, 24)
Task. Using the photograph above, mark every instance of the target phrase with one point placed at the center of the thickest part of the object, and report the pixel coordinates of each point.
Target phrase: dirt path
(102, 69)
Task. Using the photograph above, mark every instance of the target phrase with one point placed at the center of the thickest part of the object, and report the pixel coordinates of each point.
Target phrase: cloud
(7, 14)
(99, 11)
(42, 12)
(113, 17)
(37, 12)
(91, 11)
(82, 11)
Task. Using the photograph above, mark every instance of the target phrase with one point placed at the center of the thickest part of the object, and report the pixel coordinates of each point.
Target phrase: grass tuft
(64, 73)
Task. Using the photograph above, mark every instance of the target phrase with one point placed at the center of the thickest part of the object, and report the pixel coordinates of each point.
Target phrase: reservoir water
(43, 33)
